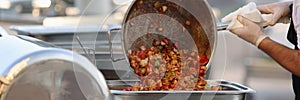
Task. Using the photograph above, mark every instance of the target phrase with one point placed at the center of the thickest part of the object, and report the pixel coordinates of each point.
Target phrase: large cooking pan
(191, 23)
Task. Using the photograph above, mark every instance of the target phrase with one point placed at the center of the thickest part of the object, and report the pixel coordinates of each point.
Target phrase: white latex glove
(280, 11)
(250, 12)
(250, 32)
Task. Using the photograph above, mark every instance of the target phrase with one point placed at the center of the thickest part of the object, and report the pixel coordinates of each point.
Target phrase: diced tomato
(164, 51)
(176, 45)
(138, 53)
(203, 60)
(133, 53)
(136, 71)
(201, 72)
(172, 86)
(148, 66)
(165, 88)
(141, 54)
(177, 73)
(147, 50)
(127, 89)
(166, 41)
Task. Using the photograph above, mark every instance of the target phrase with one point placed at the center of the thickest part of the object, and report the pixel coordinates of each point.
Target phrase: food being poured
(166, 45)
(162, 66)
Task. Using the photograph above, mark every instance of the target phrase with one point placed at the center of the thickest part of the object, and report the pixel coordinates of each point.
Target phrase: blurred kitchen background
(56, 21)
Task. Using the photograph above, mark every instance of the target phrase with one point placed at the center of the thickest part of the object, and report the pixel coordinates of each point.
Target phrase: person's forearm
(286, 57)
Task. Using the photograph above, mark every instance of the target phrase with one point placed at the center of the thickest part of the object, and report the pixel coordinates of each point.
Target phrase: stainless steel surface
(52, 30)
(35, 70)
(3, 32)
(111, 45)
(231, 91)
(88, 52)
(63, 37)
(222, 26)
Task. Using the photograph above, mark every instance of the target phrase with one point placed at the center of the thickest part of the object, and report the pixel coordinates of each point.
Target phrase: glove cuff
(259, 39)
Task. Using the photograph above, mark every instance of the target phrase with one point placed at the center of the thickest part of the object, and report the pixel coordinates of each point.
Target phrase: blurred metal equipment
(62, 37)
(5, 4)
(93, 7)
(35, 70)
(41, 3)
(18, 6)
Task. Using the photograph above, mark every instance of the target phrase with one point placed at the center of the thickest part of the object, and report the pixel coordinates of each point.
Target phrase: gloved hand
(250, 32)
(280, 11)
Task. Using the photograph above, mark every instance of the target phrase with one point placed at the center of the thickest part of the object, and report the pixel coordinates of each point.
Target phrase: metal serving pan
(230, 91)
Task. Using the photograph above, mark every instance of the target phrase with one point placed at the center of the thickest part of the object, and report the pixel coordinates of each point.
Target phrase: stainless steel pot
(188, 22)
(34, 70)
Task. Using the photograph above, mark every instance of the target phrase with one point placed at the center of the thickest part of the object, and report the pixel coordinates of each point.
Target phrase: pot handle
(222, 26)
(110, 45)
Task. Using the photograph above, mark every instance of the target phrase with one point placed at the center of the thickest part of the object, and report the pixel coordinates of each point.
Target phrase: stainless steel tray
(231, 91)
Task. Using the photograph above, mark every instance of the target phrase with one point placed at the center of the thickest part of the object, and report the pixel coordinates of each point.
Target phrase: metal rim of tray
(240, 89)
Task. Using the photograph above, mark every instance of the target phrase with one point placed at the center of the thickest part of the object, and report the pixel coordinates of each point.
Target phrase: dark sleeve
(292, 35)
